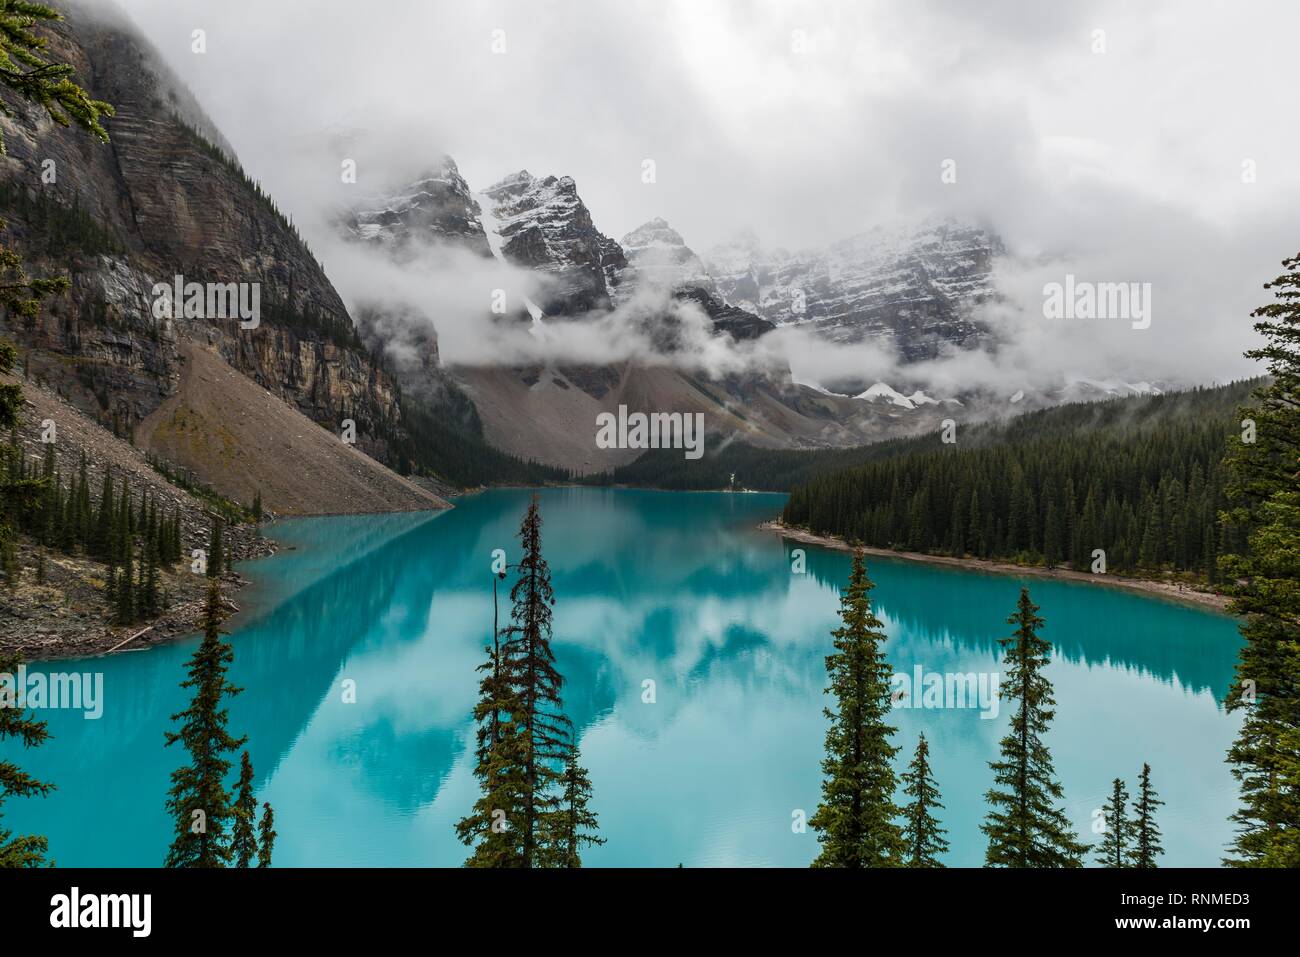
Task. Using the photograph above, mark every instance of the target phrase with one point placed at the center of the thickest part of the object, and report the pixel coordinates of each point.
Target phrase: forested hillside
(766, 470)
(1140, 479)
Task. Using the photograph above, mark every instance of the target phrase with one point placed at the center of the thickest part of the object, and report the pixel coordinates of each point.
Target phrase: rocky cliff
(437, 208)
(542, 224)
(166, 199)
(658, 284)
(915, 287)
(657, 254)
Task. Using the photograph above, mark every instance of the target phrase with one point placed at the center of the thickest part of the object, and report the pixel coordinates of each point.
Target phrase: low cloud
(1157, 157)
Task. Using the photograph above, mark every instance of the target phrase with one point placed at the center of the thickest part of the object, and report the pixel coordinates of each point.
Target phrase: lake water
(678, 588)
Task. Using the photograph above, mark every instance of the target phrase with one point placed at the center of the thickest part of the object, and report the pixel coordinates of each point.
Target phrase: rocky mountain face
(542, 224)
(657, 254)
(547, 412)
(166, 199)
(914, 287)
(436, 208)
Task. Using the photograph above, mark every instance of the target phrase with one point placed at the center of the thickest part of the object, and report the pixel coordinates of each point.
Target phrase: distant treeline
(433, 442)
(1140, 478)
(767, 470)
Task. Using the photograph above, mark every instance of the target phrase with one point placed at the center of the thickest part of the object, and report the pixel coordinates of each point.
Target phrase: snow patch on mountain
(883, 391)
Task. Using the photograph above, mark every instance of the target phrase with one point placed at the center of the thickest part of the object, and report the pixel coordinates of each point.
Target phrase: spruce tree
(19, 850)
(1263, 492)
(1024, 827)
(1146, 835)
(243, 836)
(575, 823)
(524, 752)
(922, 834)
(149, 580)
(1116, 845)
(855, 820)
(198, 800)
(103, 534)
(492, 827)
(126, 604)
(32, 77)
(266, 836)
(216, 549)
(528, 666)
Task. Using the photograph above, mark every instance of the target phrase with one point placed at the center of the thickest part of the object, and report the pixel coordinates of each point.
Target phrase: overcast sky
(810, 122)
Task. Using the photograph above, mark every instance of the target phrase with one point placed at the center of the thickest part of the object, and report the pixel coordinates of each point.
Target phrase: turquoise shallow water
(679, 588)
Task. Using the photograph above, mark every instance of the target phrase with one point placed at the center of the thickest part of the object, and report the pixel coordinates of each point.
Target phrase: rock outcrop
(542, 224)
(914, 287)
(436, 208)
(657, 255)
(165, 198)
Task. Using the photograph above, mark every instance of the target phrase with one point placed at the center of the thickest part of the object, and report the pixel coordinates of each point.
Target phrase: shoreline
(1169, 591)
(73, 637)
(81, 628)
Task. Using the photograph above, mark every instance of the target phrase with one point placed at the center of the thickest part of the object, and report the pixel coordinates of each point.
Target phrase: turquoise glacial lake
(682, 589)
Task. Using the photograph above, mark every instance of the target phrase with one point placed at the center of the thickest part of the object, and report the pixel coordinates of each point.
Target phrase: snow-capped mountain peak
(542, 224)
(658, 254)
(437, 207)
(915, 284)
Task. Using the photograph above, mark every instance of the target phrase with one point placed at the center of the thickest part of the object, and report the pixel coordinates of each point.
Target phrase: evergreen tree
(243, 837)
(31, 76)
(524, 753)
(1146, 835)
(1023, 825)
(575, 823)
(126, 605)
(1263, 492)
(266, 836)
(1147, 470)
(149, 604)
(19, 850)
(216, 549)
(855, 819)
(922, 834)
(101, 543)
(528, 666)
(1116, 846)
(198, 800)
(499, 769)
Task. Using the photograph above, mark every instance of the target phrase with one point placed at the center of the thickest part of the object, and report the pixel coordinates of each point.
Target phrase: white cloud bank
(810, 122)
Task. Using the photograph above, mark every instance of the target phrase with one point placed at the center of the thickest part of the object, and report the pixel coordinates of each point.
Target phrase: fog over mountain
(809, 124)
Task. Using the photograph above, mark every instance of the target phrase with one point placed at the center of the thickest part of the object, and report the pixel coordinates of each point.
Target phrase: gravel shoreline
(69, 616)
(1172, 591)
